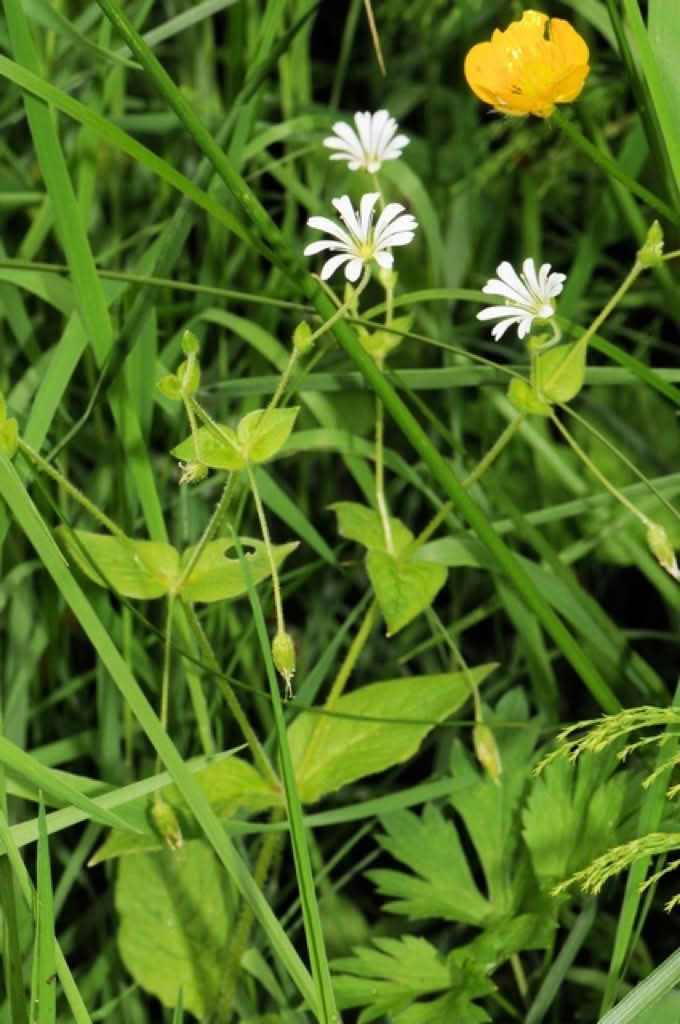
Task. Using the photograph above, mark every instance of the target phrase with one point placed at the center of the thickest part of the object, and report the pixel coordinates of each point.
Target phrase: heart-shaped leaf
(262, 433)
(218, 450)
(363, 524)
(403, 589)
(134, 568)
(560, 372)
(216, 577)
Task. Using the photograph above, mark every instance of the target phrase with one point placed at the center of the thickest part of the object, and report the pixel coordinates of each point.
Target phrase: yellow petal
(535, 63)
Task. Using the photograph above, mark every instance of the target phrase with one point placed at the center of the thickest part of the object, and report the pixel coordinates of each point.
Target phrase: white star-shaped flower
(360, 241)
(374, 141)
(530, 296)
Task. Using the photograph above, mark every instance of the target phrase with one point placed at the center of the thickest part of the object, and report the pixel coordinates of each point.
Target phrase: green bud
(192, 472)
(283, 653)
(651, 253)
(387, 278)
(189, 343)
(302, 338)
(662, 549)
(487, 752)
(166, 824)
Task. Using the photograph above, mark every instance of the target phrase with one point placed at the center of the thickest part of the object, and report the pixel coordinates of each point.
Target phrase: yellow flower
(536, 63)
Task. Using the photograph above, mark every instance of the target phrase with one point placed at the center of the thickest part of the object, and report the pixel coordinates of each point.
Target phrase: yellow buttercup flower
(536, 63)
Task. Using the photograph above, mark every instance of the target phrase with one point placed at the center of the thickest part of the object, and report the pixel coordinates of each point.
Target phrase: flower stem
(165, 679)
(573, 443)
(66, 485)
(380, 475)
(472, 478)
(278, 605)
(344, 308)
(211, 529)
(259, 755)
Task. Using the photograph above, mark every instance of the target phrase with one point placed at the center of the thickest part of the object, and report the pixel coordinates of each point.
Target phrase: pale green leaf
(263, 433)
(133, 568)
(403, 589)
(560, 372)
(442, 884)
(175, 920)
(218, 450)
(363, 524)
(525, 399)
(216, 577)
(328, 751)
(573, 815)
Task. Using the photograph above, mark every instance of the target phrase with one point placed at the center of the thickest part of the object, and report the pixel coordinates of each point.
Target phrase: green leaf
(217, 450)
(134, 568)
(228, 784)
(216, 577)
(403, 589)
(442, 884)
(329, 751)
(9, 437)
(363, 524)
(525, 399)
(263, 433)
(573, 814)
(170, 387)
(175, 921)
(388, 977)
(560, 372)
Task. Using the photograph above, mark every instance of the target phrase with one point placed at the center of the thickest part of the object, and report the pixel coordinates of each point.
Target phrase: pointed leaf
(216, 577)
(363, 524)
(403, 589)
(134, 568)
(263, 433)
(329, 751)
(560, 372)
(218, 451)
(524, 398)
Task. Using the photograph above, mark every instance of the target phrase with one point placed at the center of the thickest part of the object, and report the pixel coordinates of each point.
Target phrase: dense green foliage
(301, 580)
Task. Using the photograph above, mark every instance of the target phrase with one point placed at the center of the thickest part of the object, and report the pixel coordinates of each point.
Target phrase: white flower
(362, 241)
(529, 296)
(373, 142)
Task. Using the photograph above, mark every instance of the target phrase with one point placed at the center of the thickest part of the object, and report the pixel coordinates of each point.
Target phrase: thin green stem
(256, 748)
(380, 475)
(346, 307)
(192, 424)
(165, 679)
(211, 529)
(276, 586)
(339, 683)
(285, 377)
(472, 478)
(575, 446)
(69, 488)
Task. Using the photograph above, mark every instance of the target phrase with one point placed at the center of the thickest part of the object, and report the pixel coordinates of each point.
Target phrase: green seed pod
(487, 752)
(166, 824)
(189, 343)
(662, 549)
(651, 253)
(302, 338)
(283, 653)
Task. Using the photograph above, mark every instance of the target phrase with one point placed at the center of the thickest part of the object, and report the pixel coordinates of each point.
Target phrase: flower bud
(302, 338)
(651, 252)
(189, 375)
(192, 472)
(165, 822)
(189, 343)
(487, 752)
(283, 653)
(662, 549)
